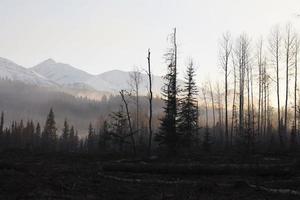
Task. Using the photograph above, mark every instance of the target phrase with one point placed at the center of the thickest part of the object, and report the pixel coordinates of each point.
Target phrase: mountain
(116, 80)
(61, 73)
(71, 80)
(12, 71)
(108, 82)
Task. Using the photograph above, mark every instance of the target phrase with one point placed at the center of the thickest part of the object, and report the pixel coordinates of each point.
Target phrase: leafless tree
(220, 113)
(295, 128)
(204, 91)
(225, 52)
(213, 107)
(135, 81)
(123, 93)
(289, 45)
(242, 60)
(275, 49)
(150, 102)
(234, 108)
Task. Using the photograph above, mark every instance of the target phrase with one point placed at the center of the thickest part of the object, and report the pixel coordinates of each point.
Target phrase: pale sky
(100, 35)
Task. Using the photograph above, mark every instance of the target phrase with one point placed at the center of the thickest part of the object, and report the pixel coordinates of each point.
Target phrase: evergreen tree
(49, 135)
(73, 139)
(104, 136)
(65, 136)
(168, 134)
(1, 123)
(37, 135)
(188, 114)
(91, 139)
(119, 130)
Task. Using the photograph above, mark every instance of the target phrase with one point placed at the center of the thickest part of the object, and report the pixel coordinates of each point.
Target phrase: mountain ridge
(51, 73)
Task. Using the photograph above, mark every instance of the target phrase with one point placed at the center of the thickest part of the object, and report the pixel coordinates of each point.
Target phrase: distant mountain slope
(116, 80)
(61, 73)
(12, 71)
(74, 81)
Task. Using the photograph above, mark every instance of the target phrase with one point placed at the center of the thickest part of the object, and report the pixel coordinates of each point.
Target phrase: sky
(101, 35)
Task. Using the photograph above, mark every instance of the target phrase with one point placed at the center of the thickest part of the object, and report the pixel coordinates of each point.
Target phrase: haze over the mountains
(51, 73)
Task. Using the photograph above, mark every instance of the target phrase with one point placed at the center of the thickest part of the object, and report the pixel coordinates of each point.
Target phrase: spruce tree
(65, 136)
(49, 134)
(104, 136)
(168, 134)
(91, 138)
(119, 128)
(72, 140)
(2, 123)
(188, 114)
(37, 135)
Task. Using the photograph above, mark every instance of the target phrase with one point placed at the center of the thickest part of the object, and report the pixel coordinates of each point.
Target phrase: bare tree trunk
(233, 106)
(150, 103)
(248, 104)
(213, 107)
(252, 103)
(275, 43)
(206, 106)
(135, 80)
(242, 53)
(226, 48)
(296, 79)
(220, 114)
(295, 128)
(288, 50)
(122, 93)
(259, 87)
(265, 100)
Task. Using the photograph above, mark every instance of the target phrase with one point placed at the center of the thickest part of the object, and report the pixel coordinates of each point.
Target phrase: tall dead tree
(135, 81)
(275, 49)
(122, 93)
(289, 45)
(220, 114)
(260, 81)
(242, 60)
(234, 107)
(295, 128)
(213, 107)
(204, 91)
(150, 102)
(225, 52)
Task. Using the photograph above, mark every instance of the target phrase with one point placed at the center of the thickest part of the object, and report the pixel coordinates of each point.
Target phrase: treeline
(237, 114)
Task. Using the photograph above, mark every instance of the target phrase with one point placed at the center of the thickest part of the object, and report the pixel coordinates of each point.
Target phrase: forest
(234, 138)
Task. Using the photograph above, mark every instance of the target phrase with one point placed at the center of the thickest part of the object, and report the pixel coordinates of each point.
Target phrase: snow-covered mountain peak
(60, 72)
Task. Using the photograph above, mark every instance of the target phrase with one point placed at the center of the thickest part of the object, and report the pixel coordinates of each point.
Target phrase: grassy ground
(24, 175)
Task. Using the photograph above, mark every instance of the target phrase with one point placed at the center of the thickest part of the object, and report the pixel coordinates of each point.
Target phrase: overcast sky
(100, 35)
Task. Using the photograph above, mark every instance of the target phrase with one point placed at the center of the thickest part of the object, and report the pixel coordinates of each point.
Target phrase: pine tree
(49, 134)
(168, 134)
(188, 114)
